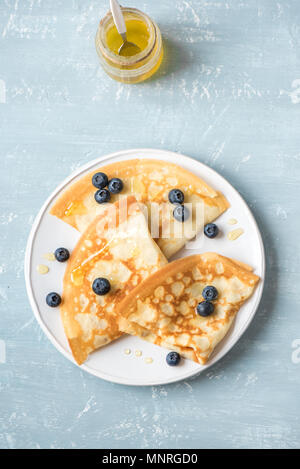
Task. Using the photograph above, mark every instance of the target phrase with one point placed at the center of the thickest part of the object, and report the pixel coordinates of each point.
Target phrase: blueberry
(53, 299)
(101, 286)
(102, 196)
(61, 254)
(115, 185)
(176, 196)
(205, 308)
(210, 293)
(181, 213)
(173, 358)
(211, 230)
(100, 180)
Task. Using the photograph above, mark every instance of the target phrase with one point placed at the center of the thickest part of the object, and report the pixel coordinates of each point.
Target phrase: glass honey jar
(143, 32)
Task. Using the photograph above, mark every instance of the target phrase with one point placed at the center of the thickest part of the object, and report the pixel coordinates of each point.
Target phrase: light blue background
(228, 94)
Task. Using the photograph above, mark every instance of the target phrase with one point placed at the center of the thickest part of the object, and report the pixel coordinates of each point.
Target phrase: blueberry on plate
(181, 213)
(210, 293)
(100, 180)
(102, 196)
(211, 230)
(101, 286)
(176, 196)
(205, 308)
(173, 358)
(61, 254)
(53, 299)
(115, 185)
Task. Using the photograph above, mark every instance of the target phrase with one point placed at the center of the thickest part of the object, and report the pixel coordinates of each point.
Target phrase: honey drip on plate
(148, 360)
(235, 234)
(42, 269)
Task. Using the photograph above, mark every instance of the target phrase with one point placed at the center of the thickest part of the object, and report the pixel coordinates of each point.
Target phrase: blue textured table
(228, 94)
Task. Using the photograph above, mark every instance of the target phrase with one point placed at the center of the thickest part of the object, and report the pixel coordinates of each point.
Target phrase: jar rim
(118, 59)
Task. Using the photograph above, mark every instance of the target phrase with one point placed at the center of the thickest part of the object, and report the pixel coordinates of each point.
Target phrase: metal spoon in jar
(127, 48)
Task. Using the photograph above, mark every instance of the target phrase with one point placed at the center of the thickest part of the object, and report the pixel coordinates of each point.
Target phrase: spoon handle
(118, 18)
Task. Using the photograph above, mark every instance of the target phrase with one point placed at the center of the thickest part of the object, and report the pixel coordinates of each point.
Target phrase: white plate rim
(35, 226)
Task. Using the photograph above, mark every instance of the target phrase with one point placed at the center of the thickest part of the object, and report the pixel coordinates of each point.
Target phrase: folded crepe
(162, 309)
(150, 181)
(116, 246)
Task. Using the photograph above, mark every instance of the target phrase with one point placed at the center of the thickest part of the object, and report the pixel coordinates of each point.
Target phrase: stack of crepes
(149, 297)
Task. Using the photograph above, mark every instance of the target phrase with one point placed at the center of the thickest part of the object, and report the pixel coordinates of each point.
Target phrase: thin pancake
(162, 308)
(117, 246)
(150, 182)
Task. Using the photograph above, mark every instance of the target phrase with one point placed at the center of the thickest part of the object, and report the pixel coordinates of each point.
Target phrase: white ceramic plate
(111, 363)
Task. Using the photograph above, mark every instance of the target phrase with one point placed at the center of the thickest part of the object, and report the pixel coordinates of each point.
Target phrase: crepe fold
(116, 246)
(150, 181)
(162, 309)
